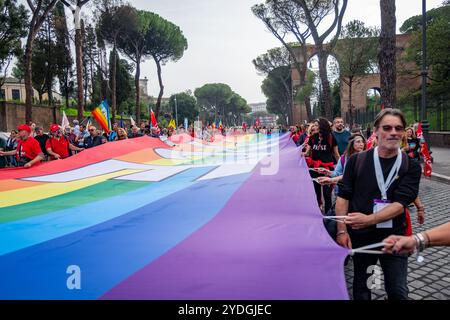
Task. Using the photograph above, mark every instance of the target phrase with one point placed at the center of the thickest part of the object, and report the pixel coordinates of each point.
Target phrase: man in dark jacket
(377, 186)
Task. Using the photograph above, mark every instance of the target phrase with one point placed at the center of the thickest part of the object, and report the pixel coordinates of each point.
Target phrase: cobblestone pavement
(429, 280)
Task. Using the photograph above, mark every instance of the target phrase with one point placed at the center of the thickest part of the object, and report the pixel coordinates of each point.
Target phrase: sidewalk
(441, 164)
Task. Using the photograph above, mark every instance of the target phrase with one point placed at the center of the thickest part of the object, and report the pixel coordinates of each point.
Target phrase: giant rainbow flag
(139, 219)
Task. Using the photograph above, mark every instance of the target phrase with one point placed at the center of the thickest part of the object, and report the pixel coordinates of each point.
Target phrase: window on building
(2, 94)
(15, 93)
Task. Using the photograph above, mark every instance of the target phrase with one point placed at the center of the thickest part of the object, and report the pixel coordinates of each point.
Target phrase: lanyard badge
(384, 185)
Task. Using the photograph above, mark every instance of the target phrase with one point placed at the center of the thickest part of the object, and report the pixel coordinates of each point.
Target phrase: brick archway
(407, 80)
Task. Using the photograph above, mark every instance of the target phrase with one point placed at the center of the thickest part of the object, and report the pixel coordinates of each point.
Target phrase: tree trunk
(67, 97)
(288, 94)
(386, 57)
(302, 69)
(79, 57)
(161, 88)
(49, 77)
(138, 93)
(350, 107)
(113, 84)
(307, 102)
(326, 92)
(28, 78)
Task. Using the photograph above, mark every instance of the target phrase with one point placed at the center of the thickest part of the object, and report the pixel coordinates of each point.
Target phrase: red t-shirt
(29, 148)
(60, 146)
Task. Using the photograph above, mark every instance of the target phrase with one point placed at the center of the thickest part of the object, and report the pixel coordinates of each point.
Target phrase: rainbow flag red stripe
(101, 115)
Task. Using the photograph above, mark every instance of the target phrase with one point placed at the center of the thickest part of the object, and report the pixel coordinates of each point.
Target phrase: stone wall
(13, 114)
(439, 139)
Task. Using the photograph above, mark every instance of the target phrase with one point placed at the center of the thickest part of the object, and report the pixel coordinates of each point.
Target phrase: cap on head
(54, 127)
(24, 127)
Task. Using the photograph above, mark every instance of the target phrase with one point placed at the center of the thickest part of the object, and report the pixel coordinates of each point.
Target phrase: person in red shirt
(58, 146)
(28, 150)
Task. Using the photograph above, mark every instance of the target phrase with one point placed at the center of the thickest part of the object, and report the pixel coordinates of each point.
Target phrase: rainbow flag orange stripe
(101, 115)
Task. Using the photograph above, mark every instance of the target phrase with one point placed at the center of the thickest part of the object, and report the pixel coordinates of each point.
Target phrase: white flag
(132, 121)
(65, 122)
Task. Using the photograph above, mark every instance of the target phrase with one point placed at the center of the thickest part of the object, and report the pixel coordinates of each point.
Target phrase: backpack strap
(343, 161)
(360, 158)
(19, 148)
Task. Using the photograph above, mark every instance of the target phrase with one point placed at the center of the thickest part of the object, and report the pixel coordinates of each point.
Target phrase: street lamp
(424, 73)
(176, 111)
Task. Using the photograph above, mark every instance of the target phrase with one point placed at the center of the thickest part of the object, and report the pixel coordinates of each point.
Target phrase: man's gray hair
(391, 112)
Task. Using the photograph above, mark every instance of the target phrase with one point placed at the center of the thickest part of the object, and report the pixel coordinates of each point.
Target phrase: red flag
(426, 154)
(382, 106)
(371, 140)
(153, 119)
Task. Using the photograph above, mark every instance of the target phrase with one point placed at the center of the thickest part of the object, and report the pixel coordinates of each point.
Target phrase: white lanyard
(384, 185)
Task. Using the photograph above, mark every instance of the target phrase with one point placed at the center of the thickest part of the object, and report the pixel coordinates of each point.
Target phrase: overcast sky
(224, 36)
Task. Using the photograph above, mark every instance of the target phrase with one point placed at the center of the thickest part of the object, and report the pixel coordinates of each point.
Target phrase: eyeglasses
(91, 130)
(389, 128)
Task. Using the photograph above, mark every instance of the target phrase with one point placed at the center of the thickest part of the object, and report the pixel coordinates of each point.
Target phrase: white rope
(366, 249)
(367, 252)
(337, 219)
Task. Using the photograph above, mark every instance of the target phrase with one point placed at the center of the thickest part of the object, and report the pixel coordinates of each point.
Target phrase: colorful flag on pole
(172, 124)
(101, 114)
(427, 168)
(153, 119)
(88, 123)
(220, 125)
(371, 140)
(65, 122)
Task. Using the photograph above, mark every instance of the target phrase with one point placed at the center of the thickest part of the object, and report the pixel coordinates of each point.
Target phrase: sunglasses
(389, 128)
(91, 130)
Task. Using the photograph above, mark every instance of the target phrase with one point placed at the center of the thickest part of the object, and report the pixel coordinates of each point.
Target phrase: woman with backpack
(356, 143)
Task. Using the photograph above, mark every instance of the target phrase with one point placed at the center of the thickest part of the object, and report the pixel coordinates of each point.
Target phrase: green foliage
(13, 27)
(357, 49)
(64, 61)
(272, 59)
(44, 60)
(414, 24)
(212, 98)
(218, 101)
(438, 47)
(186, 106)
(277, 97)
(308, 89)
(336, 98)
(124, 82)
(165, 40)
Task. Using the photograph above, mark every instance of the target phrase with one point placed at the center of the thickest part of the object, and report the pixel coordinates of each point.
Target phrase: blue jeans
(395, 270)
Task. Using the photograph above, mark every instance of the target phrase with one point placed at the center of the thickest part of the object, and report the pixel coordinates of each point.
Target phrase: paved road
(429, 280)
(441, 164)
